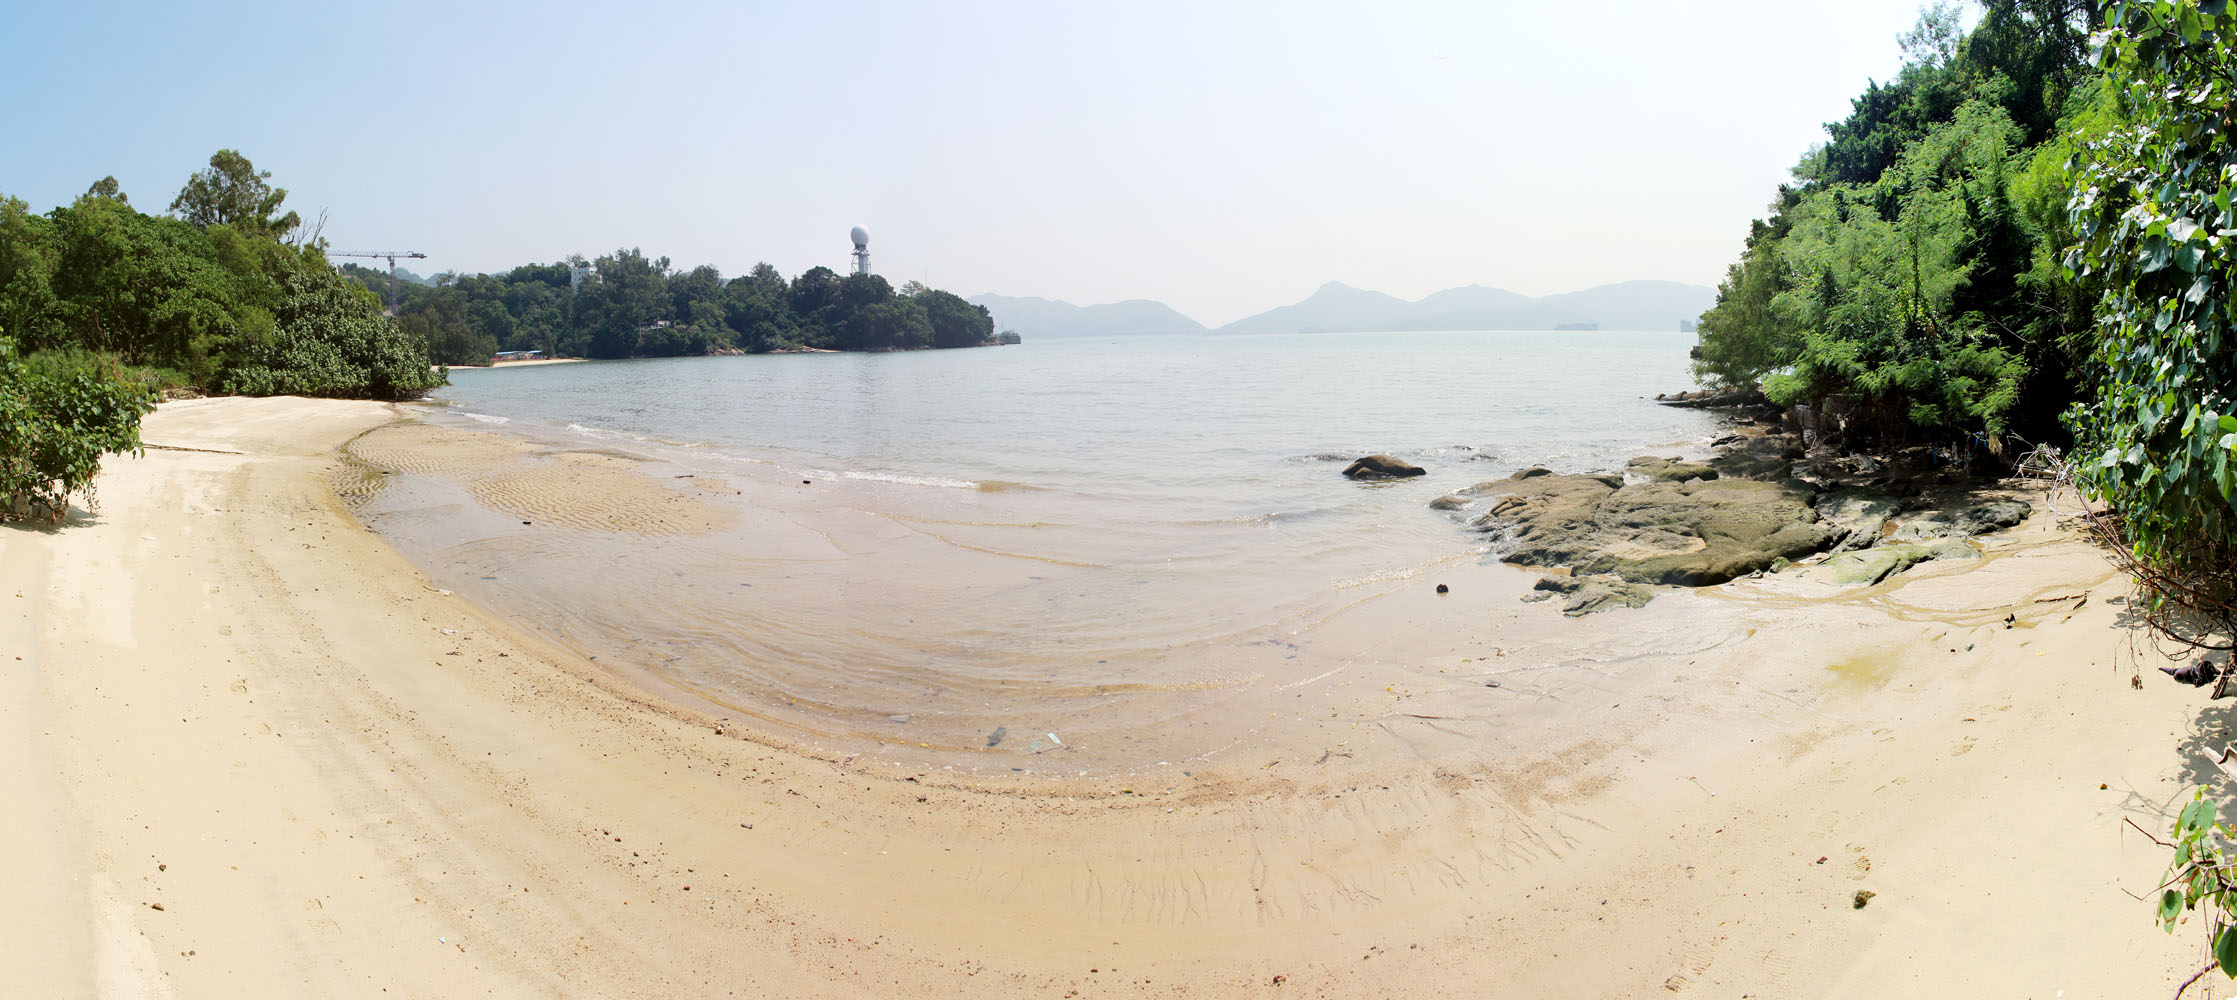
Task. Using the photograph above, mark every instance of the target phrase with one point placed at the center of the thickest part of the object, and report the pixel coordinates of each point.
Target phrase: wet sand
(226, 698)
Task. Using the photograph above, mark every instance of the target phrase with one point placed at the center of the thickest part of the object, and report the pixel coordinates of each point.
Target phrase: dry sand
(250, 752)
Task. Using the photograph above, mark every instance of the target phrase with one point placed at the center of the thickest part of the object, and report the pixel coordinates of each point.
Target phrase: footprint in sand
(1776, 966)
(1695, 961)
(1965, 747)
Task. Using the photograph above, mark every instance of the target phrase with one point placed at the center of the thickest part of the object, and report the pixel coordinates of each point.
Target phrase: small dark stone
(2198, 674)
(1382, 467)
(1442, 589)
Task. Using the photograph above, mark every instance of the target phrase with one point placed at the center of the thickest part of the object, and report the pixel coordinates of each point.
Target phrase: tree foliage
(232, 192)
(2156, 233)
(631, 305)
(213, 299)
(58, 415)
(1909, 273)
(330, 339)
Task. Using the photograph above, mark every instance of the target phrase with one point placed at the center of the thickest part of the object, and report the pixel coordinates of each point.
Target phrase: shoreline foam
(239, 704)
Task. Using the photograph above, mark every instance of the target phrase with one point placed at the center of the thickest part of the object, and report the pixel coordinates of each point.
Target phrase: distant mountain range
(1337, 307)
(1629, 305)
(1035, 317)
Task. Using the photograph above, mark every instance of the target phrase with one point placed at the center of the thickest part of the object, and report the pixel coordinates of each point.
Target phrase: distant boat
(1576, 326)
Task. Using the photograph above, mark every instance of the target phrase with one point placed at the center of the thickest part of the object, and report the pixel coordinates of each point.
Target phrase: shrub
(58, 416)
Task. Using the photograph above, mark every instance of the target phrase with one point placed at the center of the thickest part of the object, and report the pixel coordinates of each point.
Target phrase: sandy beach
(254, 752)
(528, 363)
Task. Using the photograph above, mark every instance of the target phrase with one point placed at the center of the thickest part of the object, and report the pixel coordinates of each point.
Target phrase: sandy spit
(251, 752)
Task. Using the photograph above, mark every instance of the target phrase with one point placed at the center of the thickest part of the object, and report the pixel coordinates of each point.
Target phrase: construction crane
(390, 256)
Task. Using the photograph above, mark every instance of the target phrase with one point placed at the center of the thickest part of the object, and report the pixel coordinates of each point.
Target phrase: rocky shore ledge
(1761, 505)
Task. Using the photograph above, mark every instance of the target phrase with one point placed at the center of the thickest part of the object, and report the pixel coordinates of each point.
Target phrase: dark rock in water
(2196, 674)
(1696, 533)
(1531, 473)
(1764, 456)
(1669, 470)
(1703, 398)
(1451, 501)
(1382, 467)
(1587, 595)
(1966, 522)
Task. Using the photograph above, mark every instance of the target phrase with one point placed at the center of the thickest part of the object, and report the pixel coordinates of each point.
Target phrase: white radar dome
(861, 237)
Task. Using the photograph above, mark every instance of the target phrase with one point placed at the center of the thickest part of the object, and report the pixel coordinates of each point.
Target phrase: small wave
(1322, 456)
(1379, 576)
(898, 480)
(604, 434)
(1268, 519)
(484, 417)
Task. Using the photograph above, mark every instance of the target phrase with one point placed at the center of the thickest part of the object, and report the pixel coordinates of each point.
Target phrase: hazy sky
(1221, 157)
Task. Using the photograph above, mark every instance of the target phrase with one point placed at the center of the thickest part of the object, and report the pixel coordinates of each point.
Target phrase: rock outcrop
(1759, 505)
(1860, 513)
(1670, 470)
(1382, 467)
(1586, 595)
(1962, 522)
(1695, 533)
(1869, 566)
(1761, 456)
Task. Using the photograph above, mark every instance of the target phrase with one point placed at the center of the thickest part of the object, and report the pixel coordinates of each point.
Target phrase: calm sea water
(1122, 540)
(1198, 425)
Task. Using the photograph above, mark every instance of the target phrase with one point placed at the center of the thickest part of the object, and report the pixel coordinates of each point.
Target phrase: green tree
(331, 339)
(232, 192)
(107, 187)
(28, 304)
(955, 322)
(894, 324)
(629, 294)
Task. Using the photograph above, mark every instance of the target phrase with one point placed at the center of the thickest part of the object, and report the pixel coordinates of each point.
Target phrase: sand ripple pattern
(595, 491)
(421, 449)
(355, 482)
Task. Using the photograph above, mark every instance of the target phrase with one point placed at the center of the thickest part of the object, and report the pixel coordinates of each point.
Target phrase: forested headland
(2026, 239)
(626, 305)
(104, 308)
